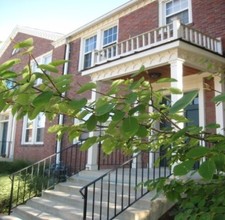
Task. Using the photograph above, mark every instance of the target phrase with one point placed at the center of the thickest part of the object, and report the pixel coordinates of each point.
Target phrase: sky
(61, 16)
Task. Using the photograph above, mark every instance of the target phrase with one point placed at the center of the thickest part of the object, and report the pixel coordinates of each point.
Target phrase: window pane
(110, 35)
(90, 44)
(40, 135)
(87, 60)
(28, 136)
(41, 120)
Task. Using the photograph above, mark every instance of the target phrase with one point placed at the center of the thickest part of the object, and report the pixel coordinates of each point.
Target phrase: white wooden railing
(156, 37)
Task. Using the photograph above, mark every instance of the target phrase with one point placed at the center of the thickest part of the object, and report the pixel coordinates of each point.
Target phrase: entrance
(4, 139)
(191, 112)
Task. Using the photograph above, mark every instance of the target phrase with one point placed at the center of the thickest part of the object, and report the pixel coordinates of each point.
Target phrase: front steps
(66, 203)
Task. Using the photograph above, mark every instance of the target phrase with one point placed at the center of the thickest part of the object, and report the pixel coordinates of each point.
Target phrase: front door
(4, 138)
(191, 112)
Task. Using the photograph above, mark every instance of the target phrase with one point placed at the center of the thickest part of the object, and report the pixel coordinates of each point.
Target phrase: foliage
(121, 120)
(11, 167)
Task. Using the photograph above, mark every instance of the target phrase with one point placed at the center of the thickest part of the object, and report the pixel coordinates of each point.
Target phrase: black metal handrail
(44, 174)
(110, 194)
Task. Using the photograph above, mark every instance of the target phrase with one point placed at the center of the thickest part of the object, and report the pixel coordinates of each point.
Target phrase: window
(33, 132)
(90, 46)
(46, 59)
(177, 9)
(110, 36)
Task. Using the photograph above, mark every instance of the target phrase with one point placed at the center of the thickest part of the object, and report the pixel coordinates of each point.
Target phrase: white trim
(162, 10)
(29, 31)
(34, 132)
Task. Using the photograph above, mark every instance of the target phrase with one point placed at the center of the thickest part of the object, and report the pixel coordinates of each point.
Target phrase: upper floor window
(110, 36)
(45, 59)
(90, 46)
(177, 9)
(33, 132)
(170, 10)
(102, 43)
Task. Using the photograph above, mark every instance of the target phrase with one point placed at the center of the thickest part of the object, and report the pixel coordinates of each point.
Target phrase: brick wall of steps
(66, 203)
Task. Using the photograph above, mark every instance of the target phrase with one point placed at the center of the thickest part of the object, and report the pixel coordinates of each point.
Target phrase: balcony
(154, 38)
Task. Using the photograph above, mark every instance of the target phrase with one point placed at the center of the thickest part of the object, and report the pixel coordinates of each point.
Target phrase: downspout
(61, 117)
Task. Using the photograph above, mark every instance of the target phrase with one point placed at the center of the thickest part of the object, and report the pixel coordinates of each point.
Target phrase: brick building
(171, 38)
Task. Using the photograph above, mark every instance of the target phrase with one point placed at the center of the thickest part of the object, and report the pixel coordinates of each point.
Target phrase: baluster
(137, 43)
(132, 44)
(127, 46)
(143, 40)
(149, 38)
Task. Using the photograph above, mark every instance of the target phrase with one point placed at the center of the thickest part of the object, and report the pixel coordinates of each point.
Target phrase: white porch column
(219, 87)
(12, 126)
(92, 157)
(176, 72)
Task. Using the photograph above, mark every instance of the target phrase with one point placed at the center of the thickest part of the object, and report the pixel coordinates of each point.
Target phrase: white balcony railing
(156, 37)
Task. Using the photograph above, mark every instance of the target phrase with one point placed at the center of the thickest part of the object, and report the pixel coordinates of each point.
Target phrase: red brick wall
(209, 17)
(33, 152)
(139, 21)
(41, 46)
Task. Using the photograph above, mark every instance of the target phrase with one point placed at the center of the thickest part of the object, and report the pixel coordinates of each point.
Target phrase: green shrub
(11, 167)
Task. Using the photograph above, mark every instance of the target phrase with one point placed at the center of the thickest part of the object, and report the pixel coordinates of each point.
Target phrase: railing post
(176, 29)
(85, 204)
(11, 194)
(219, 46)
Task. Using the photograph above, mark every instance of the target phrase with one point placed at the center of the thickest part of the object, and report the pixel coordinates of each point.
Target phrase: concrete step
(65, 201)
(26, 212)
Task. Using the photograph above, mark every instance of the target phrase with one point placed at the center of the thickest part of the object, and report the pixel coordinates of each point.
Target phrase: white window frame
(89, 51)
(40, 60)
(34, 128)
(112, 42)
(162, 11)
(99, 42)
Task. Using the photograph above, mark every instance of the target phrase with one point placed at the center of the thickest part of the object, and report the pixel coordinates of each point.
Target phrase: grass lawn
(5, 187)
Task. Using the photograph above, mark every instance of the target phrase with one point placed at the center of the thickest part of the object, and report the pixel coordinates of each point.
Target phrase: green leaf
(8, 75)
(175, 91)
(166, 80)
(103, 118)
(91, 123)
(26, 43)
(88, 143)
(139, 108)
(198, 152)
(86, 87)
(23, 99)
(130, 126)
(48, 67)
(207, 169)
(8, 64)
(183, 102)
(219, 98)
(183, 168)
(118, 115)
(58, 62)
(108, 145)
(103, 107)
(212, 126)
(142, 131)
(78, 104)
(131, 98)
(43, 99)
